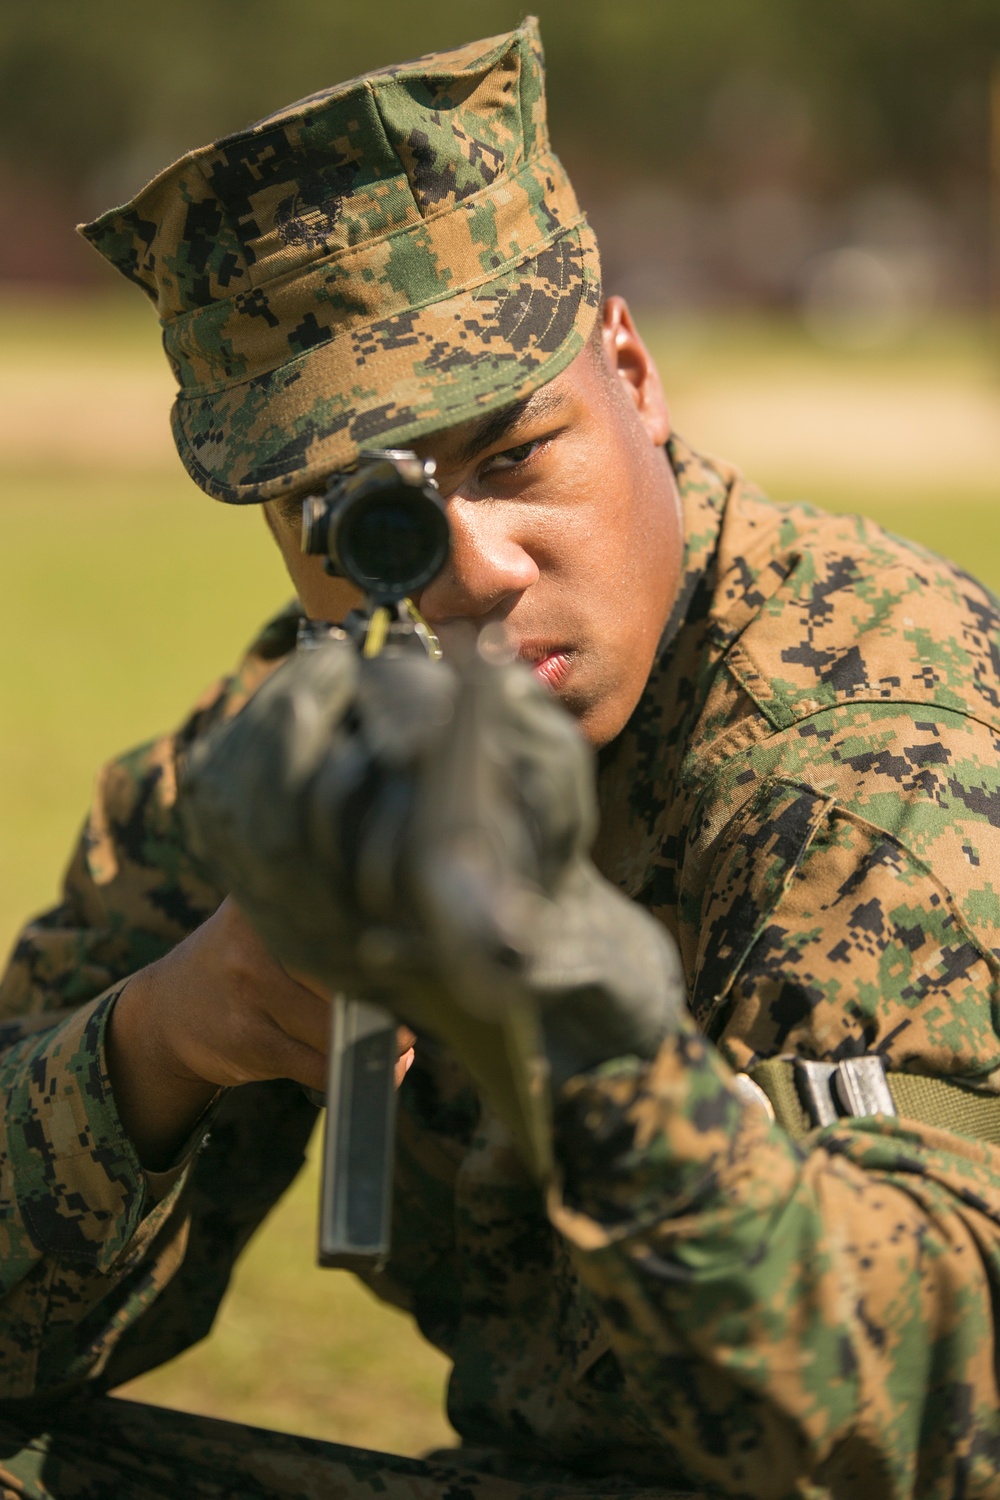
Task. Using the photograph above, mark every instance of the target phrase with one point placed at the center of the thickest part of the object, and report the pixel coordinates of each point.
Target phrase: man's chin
(601, 710)
(597, 716)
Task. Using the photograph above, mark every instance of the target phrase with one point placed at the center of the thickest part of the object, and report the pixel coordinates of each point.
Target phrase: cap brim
(412, 374)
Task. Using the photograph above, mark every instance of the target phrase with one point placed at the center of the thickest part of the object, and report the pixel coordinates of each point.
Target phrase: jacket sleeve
(823, 1312)
(89, 1240)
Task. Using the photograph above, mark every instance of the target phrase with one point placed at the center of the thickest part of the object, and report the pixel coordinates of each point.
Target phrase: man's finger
(302, 1015)
(306, 982)
(405, 1039)
(291, 1058)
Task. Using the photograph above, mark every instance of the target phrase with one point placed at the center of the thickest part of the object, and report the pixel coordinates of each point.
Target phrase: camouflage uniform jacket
(808, 796)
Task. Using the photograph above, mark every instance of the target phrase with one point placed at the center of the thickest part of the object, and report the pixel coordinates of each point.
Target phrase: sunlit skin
(565, 526)
(566, 530)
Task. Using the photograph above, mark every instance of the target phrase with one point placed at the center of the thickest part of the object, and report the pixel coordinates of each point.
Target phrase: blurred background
(801, 198)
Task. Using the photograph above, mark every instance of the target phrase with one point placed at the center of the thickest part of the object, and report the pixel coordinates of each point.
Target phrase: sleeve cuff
(639, 1143)
(80, 1186)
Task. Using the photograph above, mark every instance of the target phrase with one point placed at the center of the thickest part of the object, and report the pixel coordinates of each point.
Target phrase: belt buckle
(855, 1088)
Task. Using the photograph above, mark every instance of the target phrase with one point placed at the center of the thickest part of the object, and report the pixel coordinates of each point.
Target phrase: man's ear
(631, 365)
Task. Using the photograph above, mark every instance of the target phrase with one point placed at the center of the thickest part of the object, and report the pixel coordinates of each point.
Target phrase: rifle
(384, 527)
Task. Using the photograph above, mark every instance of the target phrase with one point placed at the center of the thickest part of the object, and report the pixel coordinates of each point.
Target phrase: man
(798, 723)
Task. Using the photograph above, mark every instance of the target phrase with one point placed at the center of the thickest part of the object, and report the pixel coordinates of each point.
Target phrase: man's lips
(550, 665)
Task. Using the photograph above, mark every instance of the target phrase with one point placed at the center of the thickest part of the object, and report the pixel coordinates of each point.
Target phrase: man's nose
(489, 564)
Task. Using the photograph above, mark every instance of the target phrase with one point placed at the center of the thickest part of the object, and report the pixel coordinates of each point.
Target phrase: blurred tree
(632, 84)
(820, 94)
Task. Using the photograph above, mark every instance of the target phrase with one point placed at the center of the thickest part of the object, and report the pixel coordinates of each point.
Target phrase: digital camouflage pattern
(808, 797)
(119, 1450)
(386, 258)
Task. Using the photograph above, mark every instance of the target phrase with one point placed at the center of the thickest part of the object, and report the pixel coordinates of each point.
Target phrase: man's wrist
(159, 1100)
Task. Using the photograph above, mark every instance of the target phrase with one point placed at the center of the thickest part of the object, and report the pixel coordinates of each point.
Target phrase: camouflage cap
(386, 258)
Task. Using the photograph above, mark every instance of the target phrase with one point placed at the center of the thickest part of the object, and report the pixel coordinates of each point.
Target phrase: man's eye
(511, 457)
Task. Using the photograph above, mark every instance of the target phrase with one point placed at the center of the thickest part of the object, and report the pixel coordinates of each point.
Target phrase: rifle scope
(383, 525)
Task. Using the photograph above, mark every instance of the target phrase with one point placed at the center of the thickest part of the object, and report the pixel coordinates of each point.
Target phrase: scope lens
(393, 542)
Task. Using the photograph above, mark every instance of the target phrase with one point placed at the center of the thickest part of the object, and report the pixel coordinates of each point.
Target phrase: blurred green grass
(124, 593)
(121, 598)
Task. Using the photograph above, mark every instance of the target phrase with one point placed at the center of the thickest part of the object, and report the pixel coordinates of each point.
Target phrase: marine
(767, 1259)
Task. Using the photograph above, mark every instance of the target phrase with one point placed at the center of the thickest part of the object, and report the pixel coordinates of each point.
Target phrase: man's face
(566, 530)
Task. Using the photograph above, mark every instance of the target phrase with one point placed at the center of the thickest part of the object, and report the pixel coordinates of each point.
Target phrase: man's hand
(217, 1011)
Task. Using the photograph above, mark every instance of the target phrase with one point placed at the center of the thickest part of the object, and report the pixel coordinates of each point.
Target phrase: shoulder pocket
(823, 935)
(759, 855)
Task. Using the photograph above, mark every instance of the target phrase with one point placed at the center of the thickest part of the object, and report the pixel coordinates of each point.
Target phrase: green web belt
(939, 1102)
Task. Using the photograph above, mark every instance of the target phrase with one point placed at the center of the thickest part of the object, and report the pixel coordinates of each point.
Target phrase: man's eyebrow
(490, 429)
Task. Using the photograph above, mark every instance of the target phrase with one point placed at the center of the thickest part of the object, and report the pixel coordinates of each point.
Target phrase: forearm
(158, 1104)
(789, 1303)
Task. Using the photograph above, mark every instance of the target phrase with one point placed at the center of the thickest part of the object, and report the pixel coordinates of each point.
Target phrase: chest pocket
(756, 862)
